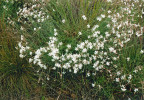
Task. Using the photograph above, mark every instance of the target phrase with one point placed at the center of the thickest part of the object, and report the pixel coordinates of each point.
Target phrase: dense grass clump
(17, 76)
(84, 49)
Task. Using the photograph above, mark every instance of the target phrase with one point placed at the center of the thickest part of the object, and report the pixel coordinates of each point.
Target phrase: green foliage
(10, 7)
(72, 12)
(19, 77)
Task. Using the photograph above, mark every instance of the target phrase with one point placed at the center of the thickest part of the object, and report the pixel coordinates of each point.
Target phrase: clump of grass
(17, 76)
(83, 49)
(70, 13)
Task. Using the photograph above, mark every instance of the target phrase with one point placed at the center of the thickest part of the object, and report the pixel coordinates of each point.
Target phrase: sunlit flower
(99, 18)
(34, 29)
(142, 51)
(63, 21)
(80, 33)
(117, 79)
(123, 88)
(102, 15)
(136, 89)
(88, 26)
(84, 17)
(109, 0)
(128, 59)
(93, 84)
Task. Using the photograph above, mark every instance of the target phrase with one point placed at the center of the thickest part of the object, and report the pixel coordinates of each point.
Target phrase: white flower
(65, 67)
(58, 65)
(30, 53)
(63, 21)
(93, 85)
(129, 98)
(22, 37)
(55, 34)
(107, 34)
(109, 11)
(114, 20)
(39, 27)
(42, 20)
(102, 15)
(35, 16)
(34, 29)
(38, 20)
(4, 7)
(54, 68)
(128, 59)
(136, 89)
(109, 0)
(135, 71)
(60, 43)
(69, 46)
(84, 17)
(96, 64)
(130, 76)
(30, 60)
(21, 28)
(80, 33)
(142, 51)
(84, 61)
(88, 26)
(114, 58)
(108, 25)
(111, 49)
(81, 46)
(47, 16)
(21, 56)
(118, 35)
(88, 74)
(118, 73)
(108, 63)
(123, 88)
(80, 66)
(27, 47)
(117, 79)
(123, 77)
(48, 78)
(99, 18)
(84, 50)
(105, 53)
(138, 34)
(75, 70)
(95, 26)
(44, 67)
(55, 30)
(76, 49)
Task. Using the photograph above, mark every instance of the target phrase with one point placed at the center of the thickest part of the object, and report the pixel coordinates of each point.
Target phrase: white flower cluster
(126, 25)
(22, 48)
(7, 3)
(74, 62)
(123, 29)
(32, 12)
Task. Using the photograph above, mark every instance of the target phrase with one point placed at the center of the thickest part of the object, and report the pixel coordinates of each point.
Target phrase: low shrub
(84, 49)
